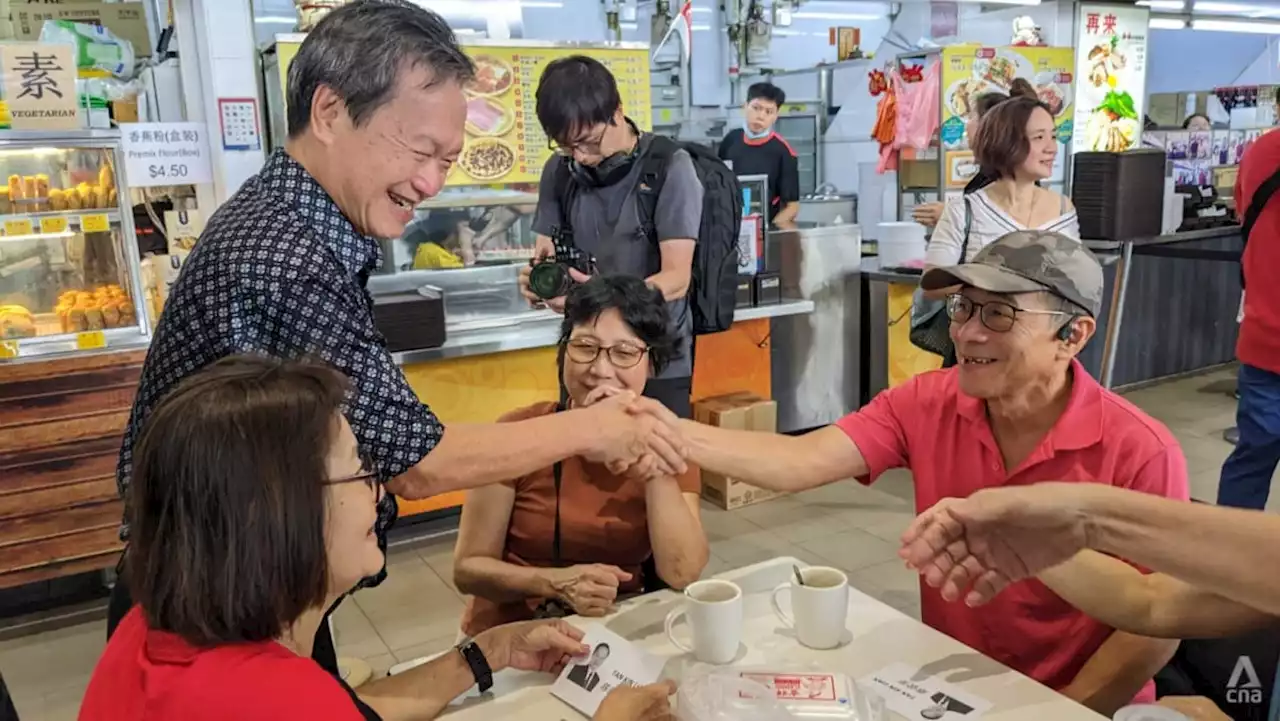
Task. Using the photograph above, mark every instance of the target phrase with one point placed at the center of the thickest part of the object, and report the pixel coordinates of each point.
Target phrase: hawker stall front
(73, 334)
(447, 297)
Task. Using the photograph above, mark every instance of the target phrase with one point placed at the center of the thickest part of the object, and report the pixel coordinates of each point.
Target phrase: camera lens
(549, 280)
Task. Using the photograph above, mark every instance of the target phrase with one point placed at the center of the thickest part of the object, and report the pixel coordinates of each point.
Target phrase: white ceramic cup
(819, 608)
(713, 610)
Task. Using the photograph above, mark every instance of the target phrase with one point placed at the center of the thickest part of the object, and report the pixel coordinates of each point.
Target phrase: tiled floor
(854, 528)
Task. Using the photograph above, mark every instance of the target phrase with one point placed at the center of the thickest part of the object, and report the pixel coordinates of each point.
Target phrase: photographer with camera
(597, 214)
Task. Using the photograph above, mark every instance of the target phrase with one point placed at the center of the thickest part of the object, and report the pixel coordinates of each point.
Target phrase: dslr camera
(549, 278)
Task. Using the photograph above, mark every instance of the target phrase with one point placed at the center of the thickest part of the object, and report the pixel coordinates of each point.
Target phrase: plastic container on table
(901, 244)
(1148, 712)
(773, 695)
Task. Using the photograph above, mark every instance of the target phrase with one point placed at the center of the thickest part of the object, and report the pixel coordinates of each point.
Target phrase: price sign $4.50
(172, 171)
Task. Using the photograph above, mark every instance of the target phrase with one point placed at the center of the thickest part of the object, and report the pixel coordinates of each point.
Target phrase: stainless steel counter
(542, 330)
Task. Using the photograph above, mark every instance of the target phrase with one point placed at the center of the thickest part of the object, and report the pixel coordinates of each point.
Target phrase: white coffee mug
(713, 609)
(819, 608)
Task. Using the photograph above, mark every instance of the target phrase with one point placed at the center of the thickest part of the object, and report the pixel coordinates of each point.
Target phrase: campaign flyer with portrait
(916, 694)
(612, 661)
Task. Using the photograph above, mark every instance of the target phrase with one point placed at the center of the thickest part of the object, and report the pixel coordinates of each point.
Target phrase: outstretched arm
(776, 462)
(982, 543)
(1156, 605)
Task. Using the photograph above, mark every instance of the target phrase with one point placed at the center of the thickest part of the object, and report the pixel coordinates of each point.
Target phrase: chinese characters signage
(1111, 72)
(157, 154)
(39, 86)
(504, 142)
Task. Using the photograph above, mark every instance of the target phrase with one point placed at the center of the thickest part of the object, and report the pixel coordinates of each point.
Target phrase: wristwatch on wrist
(474, 657)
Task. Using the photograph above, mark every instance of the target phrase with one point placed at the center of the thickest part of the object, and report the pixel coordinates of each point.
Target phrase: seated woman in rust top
(573, 538)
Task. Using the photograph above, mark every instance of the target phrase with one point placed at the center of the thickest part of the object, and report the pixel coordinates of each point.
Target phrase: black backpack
(713, 283)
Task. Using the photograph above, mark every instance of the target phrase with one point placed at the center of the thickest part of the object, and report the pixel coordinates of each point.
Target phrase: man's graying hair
(360, 49)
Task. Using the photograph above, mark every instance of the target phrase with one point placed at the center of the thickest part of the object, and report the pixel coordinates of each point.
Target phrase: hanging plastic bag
(95, 46)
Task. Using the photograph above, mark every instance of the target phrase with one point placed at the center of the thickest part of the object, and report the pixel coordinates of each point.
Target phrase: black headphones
(608, 171)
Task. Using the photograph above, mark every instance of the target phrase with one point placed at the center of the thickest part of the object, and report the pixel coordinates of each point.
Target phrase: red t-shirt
(147, 675)
(1259, 342)
(944, 437)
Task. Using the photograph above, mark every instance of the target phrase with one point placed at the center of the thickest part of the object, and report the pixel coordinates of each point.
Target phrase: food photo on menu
(486, 155)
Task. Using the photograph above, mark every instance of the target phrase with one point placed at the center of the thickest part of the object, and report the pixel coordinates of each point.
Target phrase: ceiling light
(1166, 5)
(806, 15)
(1168, 24)
(1228, 8)
(1237, 26)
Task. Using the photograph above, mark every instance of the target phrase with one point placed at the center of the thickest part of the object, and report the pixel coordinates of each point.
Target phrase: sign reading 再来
(39, 86)
(166, 154)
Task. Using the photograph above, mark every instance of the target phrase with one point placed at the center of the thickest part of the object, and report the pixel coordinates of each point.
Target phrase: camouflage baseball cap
(1028, 261)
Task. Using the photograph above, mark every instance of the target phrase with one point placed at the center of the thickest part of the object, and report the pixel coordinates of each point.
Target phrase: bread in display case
(69, 267)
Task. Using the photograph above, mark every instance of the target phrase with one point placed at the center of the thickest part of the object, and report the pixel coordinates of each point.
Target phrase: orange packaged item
(882, 132)
(15, 188)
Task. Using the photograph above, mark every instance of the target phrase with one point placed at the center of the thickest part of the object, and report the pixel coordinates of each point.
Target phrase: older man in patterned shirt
(375, 120)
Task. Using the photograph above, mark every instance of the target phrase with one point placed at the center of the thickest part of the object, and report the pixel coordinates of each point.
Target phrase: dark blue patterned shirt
(280, 270)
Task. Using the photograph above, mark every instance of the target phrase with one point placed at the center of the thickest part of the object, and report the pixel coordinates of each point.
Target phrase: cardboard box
(743, 412)
(126, 20)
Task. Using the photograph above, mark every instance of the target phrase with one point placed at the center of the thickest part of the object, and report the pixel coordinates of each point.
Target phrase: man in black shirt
(757, 149)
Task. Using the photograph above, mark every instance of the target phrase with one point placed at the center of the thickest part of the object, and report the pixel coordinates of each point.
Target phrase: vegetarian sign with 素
(39, 86)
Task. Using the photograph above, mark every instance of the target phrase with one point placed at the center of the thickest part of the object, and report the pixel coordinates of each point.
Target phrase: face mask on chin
(746, 130)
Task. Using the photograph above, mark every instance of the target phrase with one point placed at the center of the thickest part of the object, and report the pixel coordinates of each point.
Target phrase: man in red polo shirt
(1246, 474)
(1018, 409)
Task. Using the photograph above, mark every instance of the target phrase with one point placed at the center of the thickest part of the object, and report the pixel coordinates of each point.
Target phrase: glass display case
(469, 243)
(69, 267)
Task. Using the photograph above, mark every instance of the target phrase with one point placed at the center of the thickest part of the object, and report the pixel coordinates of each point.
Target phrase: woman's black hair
(642, 308)
(1187, 123)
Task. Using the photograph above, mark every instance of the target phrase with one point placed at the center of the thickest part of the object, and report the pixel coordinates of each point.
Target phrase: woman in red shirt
(574, 537)
(252, 513)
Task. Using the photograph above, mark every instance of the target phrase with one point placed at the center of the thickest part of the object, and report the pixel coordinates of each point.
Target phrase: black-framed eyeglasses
(368, 475)
(621, 355)
(589, 146)
(996, 315)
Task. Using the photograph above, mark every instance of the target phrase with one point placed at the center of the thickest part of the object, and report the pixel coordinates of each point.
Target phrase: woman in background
(1015, 147)
(575, 538)
(1197, 121)
(928, 214)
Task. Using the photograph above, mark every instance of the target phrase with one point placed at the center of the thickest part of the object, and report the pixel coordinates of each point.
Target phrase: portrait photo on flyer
(612, 661)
